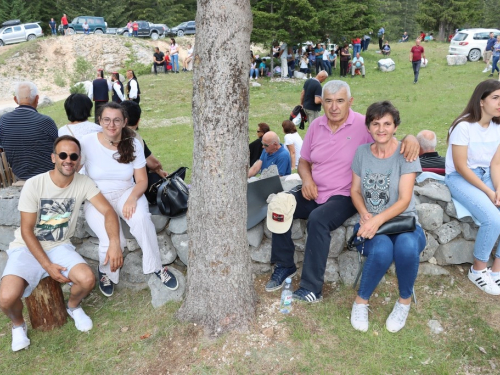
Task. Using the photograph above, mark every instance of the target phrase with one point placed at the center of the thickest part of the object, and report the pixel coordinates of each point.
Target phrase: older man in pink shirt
(324, 200)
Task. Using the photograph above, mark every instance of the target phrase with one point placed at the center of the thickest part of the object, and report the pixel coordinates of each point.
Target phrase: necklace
(115, 143)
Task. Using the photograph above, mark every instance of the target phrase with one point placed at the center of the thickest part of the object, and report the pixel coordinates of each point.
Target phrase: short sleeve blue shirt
(280, 158)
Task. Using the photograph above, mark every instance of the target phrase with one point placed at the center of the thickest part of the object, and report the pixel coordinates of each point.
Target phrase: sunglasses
(64, 156)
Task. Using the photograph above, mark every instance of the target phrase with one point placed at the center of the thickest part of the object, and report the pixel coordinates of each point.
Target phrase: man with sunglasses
(49, 205)
(274, 153)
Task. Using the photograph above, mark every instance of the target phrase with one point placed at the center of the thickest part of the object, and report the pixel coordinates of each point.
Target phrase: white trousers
(141, 227)
(284, 66)
(362, 68)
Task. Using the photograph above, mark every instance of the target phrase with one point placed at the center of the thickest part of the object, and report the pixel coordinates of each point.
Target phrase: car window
(191, 24)
(460, 37)
(7, 30)
(31, 26)
(182, 24)
(91, 21)
(481, 36)
(81, 21)
(17, 28)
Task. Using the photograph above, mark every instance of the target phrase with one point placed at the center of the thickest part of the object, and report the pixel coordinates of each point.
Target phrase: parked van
(15, 32)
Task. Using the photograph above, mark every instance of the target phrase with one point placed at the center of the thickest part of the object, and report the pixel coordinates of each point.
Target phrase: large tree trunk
(220, 292)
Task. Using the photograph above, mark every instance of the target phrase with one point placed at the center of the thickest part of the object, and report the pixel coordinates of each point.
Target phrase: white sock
(474, 271)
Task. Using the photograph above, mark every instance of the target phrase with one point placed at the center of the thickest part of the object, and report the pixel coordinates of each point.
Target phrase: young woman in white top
(293, 142)
(114, 159)
(473, 176)
(174, 55)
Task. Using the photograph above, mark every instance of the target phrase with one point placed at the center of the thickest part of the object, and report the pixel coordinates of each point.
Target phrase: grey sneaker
(397, 318)
(302, 294)
(279, 276)
(359, 317)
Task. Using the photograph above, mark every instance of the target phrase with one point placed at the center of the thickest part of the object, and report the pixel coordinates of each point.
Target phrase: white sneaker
(484, 282)
(20, 338)
(489, 67)
(82, 321)
(359, 317)
(397, 318)
(485, 70)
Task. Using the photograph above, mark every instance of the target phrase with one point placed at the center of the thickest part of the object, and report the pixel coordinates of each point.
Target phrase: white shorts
(23, 264)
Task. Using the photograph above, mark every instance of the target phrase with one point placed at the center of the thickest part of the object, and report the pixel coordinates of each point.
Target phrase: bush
(78, 89)
(83, 71)
(59, 80)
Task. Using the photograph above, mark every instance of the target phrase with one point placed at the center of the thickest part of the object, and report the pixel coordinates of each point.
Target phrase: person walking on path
(416, 55)
(52, 25)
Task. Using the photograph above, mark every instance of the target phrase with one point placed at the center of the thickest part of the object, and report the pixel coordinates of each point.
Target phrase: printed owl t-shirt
(380, 179)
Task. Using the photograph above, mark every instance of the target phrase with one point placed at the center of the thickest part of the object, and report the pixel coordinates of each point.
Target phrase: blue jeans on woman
(175, 63)
(404, 249)
(481, 207)
(494, 64)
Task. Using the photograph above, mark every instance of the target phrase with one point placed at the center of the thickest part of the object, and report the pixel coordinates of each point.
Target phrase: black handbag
(171, 194)
(396, 225)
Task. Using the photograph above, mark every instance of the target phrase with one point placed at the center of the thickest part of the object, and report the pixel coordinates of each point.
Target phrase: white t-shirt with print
(57, 208)
(482, 143)
(296, 140)
(102, 167)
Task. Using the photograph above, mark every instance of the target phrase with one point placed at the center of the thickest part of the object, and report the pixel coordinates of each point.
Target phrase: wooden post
(46, 306)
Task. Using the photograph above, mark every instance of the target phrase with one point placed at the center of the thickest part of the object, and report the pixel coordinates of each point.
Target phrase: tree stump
(46, 306)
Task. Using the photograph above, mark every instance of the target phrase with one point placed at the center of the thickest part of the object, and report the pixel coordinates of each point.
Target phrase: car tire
(31, 37)
(180, 33)
(154, 35)
(71, 31)
(125, 33)
(2, 43)
(474, 54)
(98, 31)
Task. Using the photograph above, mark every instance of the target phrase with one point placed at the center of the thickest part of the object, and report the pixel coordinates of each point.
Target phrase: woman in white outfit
(114, 159)
(293, 142)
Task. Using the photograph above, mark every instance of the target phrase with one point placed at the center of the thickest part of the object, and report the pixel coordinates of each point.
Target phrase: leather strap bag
(171, 194)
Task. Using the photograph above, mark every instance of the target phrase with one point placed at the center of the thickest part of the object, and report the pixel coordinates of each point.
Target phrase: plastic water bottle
(286, 297)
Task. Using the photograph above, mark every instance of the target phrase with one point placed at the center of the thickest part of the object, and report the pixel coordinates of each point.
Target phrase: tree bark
(220, 292)
(46, 306)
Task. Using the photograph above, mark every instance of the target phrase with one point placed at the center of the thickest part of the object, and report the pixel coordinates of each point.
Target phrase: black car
(184, 28)
(146, 29)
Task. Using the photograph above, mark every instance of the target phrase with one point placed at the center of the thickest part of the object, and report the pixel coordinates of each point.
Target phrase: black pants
(137, 100)
(321, 220)
(155, 64)
(343, 68)
(97, 110)
(380, 42)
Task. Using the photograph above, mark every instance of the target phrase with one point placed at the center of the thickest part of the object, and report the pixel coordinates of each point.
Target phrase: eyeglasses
(259, 131)
(266, 146)
(106, 121)
(64, 156)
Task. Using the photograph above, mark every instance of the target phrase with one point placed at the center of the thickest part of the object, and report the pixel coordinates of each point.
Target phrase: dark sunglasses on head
(64, 156)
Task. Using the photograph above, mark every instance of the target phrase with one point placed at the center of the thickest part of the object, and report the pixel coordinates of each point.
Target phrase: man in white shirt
(358, 63)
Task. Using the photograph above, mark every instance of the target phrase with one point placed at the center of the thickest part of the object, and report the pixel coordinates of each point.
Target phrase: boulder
(457, 251)
(432, 270)
(456, 60)
(269, 172)
(160, 294)
(255, 235)
(6, 237)
(261, 254)
(260, 268)
(298, 229)
(434, 190)
(181, 244)
(9, 214)
(160, 222)
(89, 248)
(348, 266)
(167, 249)
(386, 65)
(448, 231)
(44, 101)
(3, 261)
(178, 225)
(332, 270)
(430, 216)
(468, 231)
(337, 242)
(131, 273)
(430, 248)
(353, 220)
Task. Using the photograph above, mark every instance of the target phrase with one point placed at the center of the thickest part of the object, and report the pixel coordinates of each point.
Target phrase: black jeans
(155, 64)
(343, 68)
(319, 64)
(322, 219)
(416, 69)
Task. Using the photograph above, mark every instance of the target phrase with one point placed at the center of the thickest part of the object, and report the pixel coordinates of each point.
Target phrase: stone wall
(449, 241)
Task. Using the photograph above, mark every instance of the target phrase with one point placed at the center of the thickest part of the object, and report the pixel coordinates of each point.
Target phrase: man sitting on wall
(274, 153)
(429, 158)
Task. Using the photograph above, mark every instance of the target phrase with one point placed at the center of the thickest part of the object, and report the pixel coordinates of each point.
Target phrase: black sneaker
(304, 295)
(106, 286)
(279, 276)
(167, 278)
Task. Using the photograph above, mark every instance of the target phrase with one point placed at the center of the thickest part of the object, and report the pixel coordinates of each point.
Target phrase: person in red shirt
(64, 22)
(135, 29)
(416, 55)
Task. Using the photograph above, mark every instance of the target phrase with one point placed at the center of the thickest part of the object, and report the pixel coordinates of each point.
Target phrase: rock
(386, 65)
(435, 327)
(348, 233)
(348, 266)
(131, 271)
(446, 218)
(6, 237)
(298, 229)
(456, 59)
(260, 268)
(353, 220)
(160, 222)
(290, 184)
(255, 235)
(160, 294)
(267, 232)
(457, 251)
(424, 199)
(89, 230)
(430, 248)
(132, 245)
(434, 190)
(9, 214)
(3, 261)
(269, 172)
(178, 225)
(268, 332)
(469, 232)
(450, 210)
(332, 270)
(337, 243)
(44, 101)
(255, 84)
(432, 270)
(430, 216)
(80, 231)
(167, 249)
(448, 231)
(261, 254)
(181, 244)
(89, 248)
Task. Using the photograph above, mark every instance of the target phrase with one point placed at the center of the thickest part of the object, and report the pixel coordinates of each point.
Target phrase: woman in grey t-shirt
(382, 188)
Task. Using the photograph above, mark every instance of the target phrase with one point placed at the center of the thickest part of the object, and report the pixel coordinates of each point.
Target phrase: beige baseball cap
(280, 213)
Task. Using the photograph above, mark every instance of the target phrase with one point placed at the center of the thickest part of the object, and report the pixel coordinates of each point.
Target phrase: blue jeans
(254, 73)
(481, 207)
(404, 249)
(319, 64)
(494, 64)
(356, 48)
(321, 220)
(175, 63)
(416, 69)
(328, 67)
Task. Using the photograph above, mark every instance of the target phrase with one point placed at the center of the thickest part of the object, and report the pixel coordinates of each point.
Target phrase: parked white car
(471, 43)
(13, 32)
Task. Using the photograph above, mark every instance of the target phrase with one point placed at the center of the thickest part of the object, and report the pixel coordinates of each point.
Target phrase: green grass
(314, 339)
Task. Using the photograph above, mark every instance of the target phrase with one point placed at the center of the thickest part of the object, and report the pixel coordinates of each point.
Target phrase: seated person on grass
(274, 153)
(386, 49)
